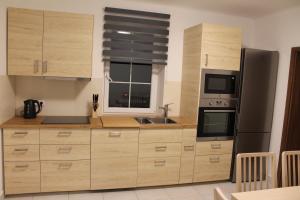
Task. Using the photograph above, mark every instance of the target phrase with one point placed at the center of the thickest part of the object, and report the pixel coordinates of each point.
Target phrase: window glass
(141, 73)
(140, 96)
(120, 71)
(118, 95)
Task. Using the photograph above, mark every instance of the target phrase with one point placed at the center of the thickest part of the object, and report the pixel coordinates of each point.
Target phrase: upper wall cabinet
(45, 43)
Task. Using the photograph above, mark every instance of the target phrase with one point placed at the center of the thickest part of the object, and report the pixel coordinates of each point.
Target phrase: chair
(218, 194)
(252, 171)
(290, 168)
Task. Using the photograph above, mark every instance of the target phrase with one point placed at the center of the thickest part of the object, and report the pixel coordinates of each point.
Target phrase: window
(130, 87)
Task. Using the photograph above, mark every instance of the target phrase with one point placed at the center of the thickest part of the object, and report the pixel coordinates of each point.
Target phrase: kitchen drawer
(65, 175)
(189, 135)
(100, 136)
(20, 136)
(65, 152)
(111, 173)
(21, 177)
(158, 171)
(160, 135)
(188, 149)
(159, 149)
(186, 169)
(212, 168)
(214, 147)
(21, 153)
(114, 150)
(65, 136)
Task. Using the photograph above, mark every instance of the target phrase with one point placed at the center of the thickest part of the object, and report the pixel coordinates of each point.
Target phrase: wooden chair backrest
(290, 168)
(252, 171)
(218, 194)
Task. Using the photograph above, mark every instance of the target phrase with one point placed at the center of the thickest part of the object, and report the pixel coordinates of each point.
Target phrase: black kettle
(31, 108)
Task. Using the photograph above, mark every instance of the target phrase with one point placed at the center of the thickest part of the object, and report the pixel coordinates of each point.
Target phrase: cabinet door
(67, 48)
(24, 41)
(221, 47)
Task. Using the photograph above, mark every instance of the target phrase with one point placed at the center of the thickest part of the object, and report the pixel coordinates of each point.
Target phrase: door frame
(287, 124)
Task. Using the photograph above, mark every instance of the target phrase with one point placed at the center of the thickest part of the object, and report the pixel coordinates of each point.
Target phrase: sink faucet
(165, 108)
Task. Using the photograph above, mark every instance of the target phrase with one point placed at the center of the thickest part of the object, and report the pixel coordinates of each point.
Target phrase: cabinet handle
(64, 149)
(114, 134)
(214, 159)
(21, 150)
(189, 148)
(160, 148)
(65, 165)
(21, 166)
(44, 67)
(64, 134)
(159, 163)
(215, 146)
(22, 134)
(206, 59)
(36, 66)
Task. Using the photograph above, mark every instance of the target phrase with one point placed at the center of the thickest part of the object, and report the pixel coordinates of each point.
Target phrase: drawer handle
(64, 149)
(189, 148)
(64, 166)
(64, 134)
(21, 150)
(214, 160)
(160, 148)
(159, 163)
(114, 134)
(215, 146)
(20, 134)
(21, 166)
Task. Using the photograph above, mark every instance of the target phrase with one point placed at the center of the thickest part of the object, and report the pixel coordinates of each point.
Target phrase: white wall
(280, 32)
(72, 98)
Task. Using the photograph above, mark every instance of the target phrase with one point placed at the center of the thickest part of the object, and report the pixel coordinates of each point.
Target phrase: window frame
(153, 93)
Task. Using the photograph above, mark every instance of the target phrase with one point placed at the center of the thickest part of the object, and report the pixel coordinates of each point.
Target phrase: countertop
(101, 122)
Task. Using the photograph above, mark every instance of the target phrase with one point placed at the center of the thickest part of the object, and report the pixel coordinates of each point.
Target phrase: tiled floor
(186, 192)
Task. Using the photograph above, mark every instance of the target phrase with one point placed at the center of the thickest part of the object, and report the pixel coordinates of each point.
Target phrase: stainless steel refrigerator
(256, 102)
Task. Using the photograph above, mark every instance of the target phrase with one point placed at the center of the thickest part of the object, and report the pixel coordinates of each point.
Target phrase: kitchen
(74, 97)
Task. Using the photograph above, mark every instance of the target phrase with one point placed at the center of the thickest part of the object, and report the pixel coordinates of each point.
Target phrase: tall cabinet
(206, 46)
(47, 43)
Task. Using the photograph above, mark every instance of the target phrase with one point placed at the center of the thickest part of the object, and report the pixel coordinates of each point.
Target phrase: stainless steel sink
(146, 120)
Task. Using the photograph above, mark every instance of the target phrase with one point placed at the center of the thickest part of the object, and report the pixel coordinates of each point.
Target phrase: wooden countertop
(119, 122)
(20, 122)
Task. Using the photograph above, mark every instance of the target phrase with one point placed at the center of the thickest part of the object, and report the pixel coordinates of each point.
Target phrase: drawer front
(188, 149)
(114, 150)
(111, 173)
(214, 147)
(189, 135)
(159, 149)
(22, 153)
(158, 171)
(65, 175)
(21, 177)
(160, 135)
(65, 136)
(186, 169)
(212, 168)
(20, 136)
(65, 152)
(100, 136)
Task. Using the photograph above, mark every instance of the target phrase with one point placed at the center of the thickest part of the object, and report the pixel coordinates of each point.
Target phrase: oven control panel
(218, 103)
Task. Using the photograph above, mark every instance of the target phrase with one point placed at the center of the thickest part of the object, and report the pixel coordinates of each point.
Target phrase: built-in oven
(219, 83)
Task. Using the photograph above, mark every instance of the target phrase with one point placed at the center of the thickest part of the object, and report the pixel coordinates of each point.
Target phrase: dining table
(286, 193)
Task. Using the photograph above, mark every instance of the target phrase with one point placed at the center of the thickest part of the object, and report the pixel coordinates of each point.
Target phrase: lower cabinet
(212, 167)
(65, 175)
(115, 172)
(158, 171)
(22, 177)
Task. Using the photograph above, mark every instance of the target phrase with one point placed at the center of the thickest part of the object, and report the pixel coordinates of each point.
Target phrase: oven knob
(219, 102)
(210, 103)
(225, 104)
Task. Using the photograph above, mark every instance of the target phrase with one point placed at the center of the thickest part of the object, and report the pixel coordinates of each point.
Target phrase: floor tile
(85, 196)
(183, 192)
(152, 194)
(60, 196)
(19, 198)
(120, 195)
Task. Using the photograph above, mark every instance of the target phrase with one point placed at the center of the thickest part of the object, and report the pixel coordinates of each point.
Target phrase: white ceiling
(245, 8)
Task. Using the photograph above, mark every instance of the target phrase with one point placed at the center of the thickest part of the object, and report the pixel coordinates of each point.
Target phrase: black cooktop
(66, 120)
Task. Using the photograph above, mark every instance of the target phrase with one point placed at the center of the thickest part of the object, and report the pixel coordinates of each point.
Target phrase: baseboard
(1, 195)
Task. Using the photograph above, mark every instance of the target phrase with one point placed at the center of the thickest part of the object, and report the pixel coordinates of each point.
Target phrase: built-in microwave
(219, 83)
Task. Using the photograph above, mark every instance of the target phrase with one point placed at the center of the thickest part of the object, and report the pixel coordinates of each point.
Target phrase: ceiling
(245, 8)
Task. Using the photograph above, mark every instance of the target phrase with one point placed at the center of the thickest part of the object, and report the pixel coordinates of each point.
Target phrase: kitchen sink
(146, 120)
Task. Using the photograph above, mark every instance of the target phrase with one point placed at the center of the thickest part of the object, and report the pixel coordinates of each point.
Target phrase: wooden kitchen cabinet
(46, 43)
(24, 42)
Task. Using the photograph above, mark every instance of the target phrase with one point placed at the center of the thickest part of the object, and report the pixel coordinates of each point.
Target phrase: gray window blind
(135, 36)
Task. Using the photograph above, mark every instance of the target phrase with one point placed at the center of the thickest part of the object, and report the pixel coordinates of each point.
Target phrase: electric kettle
(31, 108)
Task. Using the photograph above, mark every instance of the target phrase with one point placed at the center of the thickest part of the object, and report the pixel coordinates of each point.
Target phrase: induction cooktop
(66, 120)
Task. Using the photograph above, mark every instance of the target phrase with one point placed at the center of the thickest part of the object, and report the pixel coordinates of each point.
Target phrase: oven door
(216, 122)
